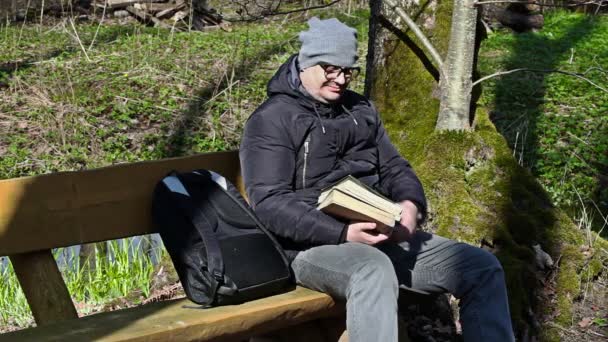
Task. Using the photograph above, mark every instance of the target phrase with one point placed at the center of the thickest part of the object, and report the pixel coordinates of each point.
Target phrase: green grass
(118, 275)
(137, 94)
(556, 124)
(14, 310)
(144, 94)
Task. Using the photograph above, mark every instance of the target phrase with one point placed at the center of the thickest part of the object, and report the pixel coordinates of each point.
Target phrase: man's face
(325, 83)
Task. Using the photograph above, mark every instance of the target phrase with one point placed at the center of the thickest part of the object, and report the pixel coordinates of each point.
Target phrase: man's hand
(365, 232)
(409, 221)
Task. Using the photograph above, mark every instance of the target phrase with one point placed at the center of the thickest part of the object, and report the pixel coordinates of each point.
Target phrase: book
(351, 199)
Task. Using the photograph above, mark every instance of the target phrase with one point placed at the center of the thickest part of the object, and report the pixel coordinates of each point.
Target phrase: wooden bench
(44, 212)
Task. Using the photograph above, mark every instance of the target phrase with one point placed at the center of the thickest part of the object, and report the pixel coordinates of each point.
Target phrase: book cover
(351, 199)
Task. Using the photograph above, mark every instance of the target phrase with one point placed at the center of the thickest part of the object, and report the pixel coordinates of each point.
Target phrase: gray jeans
(368, 278)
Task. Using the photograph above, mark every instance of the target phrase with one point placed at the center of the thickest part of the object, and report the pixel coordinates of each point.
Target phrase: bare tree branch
(597, 69)
(272, 12)
(419, 34)
(601, 3)
(546, 71)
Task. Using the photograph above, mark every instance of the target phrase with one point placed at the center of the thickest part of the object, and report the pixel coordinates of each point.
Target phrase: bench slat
(71, 208)
(43, 287)
(181, 320)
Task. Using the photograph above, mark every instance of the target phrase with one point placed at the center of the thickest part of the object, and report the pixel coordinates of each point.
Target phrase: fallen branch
(169, 11)
(595, 333)
(597, 3)
(154, 8)
(273, 13)
(419, 34)
(573, 74)
(172, 291)
(146, 17)
(117, 4)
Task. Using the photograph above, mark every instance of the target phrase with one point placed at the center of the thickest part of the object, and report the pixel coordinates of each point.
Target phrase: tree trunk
(456, 83)
(476, 190)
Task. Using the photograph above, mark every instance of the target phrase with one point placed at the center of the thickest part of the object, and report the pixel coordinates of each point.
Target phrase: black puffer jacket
(293, 146)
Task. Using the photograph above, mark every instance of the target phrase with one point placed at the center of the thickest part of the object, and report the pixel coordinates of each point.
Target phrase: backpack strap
(202, 224)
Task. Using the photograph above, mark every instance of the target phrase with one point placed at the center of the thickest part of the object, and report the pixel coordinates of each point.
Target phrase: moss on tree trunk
(477, 192)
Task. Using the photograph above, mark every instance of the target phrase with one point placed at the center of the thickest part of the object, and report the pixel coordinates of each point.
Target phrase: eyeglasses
(332, 72)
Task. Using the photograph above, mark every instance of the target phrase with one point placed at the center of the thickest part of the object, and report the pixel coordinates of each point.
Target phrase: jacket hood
(286, 81)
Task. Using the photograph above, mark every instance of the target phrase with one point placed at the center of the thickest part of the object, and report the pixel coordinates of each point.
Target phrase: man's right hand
(365, 232)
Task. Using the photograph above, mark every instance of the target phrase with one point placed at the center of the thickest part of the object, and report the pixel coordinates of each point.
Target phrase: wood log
(179, 16)
(145, 17)
(170, 11)
(118, 4)
(156, 7)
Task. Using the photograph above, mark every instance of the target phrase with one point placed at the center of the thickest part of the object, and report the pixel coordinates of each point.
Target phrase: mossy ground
(479, 194)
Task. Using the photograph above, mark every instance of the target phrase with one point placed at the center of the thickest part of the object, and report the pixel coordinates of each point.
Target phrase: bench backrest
(63, 209)
(71, 208)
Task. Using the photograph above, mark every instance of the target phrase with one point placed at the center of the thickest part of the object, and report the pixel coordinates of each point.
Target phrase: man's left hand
(409, 221)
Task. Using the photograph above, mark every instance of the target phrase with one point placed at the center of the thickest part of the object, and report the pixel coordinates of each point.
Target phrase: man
(310, 133)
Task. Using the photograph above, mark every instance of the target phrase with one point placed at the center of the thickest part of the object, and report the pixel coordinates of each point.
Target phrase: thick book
(351, 199)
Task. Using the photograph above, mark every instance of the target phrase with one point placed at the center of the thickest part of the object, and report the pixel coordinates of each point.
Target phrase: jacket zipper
(305, 162)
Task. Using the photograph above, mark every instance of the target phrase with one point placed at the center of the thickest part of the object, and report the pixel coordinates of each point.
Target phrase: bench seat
(182, 320)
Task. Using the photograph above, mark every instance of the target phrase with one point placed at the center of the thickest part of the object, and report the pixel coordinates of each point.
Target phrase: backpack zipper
(305, 162)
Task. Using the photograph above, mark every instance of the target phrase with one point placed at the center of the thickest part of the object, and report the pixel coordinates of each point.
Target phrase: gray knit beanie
(328, 42)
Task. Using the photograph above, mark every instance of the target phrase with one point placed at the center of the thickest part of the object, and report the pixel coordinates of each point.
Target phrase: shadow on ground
(520, 98)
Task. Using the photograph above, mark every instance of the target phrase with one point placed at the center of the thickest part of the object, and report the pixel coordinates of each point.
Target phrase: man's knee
(476, 259)
(481, 270)
(489, 261)
(487, 268)
(375, 271)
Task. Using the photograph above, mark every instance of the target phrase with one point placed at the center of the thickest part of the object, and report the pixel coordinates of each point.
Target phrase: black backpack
(221, 251)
